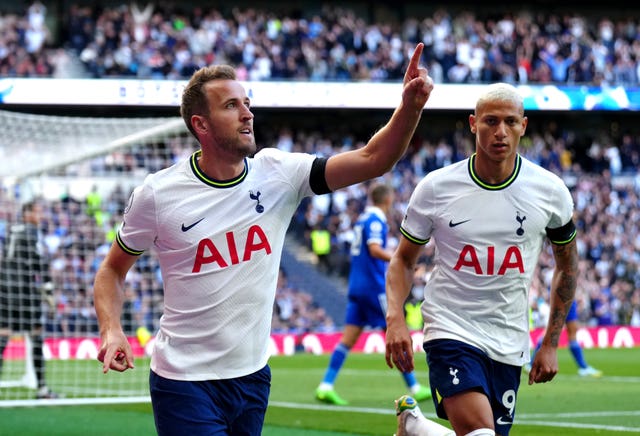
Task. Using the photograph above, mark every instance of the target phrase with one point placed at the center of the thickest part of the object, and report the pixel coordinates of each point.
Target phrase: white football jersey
(487, 242)
(219, 245)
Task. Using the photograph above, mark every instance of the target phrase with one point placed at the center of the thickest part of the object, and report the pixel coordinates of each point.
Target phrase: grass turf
(569, 405)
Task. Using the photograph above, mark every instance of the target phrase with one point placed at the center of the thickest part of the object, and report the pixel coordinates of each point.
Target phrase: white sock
(325, 386)
(416, 424)
(482, 432)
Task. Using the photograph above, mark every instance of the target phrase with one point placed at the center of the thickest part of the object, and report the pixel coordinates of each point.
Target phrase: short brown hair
(379, 192)
(194, 99)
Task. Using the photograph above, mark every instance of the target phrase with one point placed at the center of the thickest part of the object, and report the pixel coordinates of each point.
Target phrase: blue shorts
(212, 407)
(572, 315)
(367, 311)
(456, 367)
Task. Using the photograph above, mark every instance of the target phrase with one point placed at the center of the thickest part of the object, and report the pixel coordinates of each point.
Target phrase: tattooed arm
(563, 289)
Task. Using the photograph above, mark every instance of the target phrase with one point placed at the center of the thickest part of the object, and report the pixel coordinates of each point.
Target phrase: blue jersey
(572, 314)
(367, 274)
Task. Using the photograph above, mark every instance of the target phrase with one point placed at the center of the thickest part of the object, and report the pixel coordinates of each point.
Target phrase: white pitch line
(608, 413)
(524, 419)
(618, 428)
(352, 372)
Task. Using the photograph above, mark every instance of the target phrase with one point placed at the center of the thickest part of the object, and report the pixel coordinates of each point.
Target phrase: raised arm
(115, 351)
(563, 289)
(399, 347)
(389, 143)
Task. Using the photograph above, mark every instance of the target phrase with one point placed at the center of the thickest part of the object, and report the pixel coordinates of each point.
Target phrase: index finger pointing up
(415, 60)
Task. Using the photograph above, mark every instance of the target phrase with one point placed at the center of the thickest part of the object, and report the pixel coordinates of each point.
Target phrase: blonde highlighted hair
(501, 92)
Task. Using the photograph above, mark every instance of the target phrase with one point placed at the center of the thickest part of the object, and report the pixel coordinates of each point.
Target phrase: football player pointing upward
(217, 222)
(488, 216)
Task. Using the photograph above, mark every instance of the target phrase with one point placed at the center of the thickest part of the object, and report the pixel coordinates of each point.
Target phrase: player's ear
(472, 123)
(199, 123)
(525, 122)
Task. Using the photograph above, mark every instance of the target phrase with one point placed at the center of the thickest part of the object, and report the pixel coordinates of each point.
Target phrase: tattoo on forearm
(566, 287)
(565, 282)
(567, 271)
(556, 322)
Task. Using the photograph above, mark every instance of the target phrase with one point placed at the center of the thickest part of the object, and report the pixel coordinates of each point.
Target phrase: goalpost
(82, 169)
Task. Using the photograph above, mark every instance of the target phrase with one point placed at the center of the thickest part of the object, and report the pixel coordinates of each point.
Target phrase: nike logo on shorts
(187, 228)
(502, 421)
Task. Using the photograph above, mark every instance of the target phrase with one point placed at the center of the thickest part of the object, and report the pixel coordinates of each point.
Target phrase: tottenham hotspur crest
(520, 230)
(256, 197)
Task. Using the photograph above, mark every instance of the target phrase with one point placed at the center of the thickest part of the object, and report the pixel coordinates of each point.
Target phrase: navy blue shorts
(213, 407)
(456, 367)
(367, 311)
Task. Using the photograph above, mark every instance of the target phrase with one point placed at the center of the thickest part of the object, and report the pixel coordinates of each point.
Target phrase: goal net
(81, 170)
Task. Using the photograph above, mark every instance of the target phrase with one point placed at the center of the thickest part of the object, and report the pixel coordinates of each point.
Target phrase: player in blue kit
(571, 323)
(488, 216)
(367, 302)
(217, 222)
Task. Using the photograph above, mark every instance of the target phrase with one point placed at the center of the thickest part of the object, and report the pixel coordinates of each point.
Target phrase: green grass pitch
(569, 405)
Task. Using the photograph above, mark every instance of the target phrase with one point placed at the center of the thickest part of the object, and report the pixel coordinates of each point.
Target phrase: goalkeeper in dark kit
(25, 284)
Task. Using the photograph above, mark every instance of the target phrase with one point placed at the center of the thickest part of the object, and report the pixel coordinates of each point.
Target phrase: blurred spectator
(163, 40)
(294, 310)
(607, 216)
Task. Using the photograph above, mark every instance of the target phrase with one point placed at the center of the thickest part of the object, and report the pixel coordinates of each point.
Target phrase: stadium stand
(597, 154)
(338, 43)
(464, 44)
(603, 180)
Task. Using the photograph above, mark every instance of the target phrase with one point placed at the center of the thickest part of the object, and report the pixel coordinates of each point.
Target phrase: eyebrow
(235, 99)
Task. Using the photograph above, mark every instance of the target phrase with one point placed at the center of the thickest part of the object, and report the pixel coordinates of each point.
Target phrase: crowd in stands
(605, 185)
(78, 232)
(155, 40)
(519, 44)
(296, 311)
